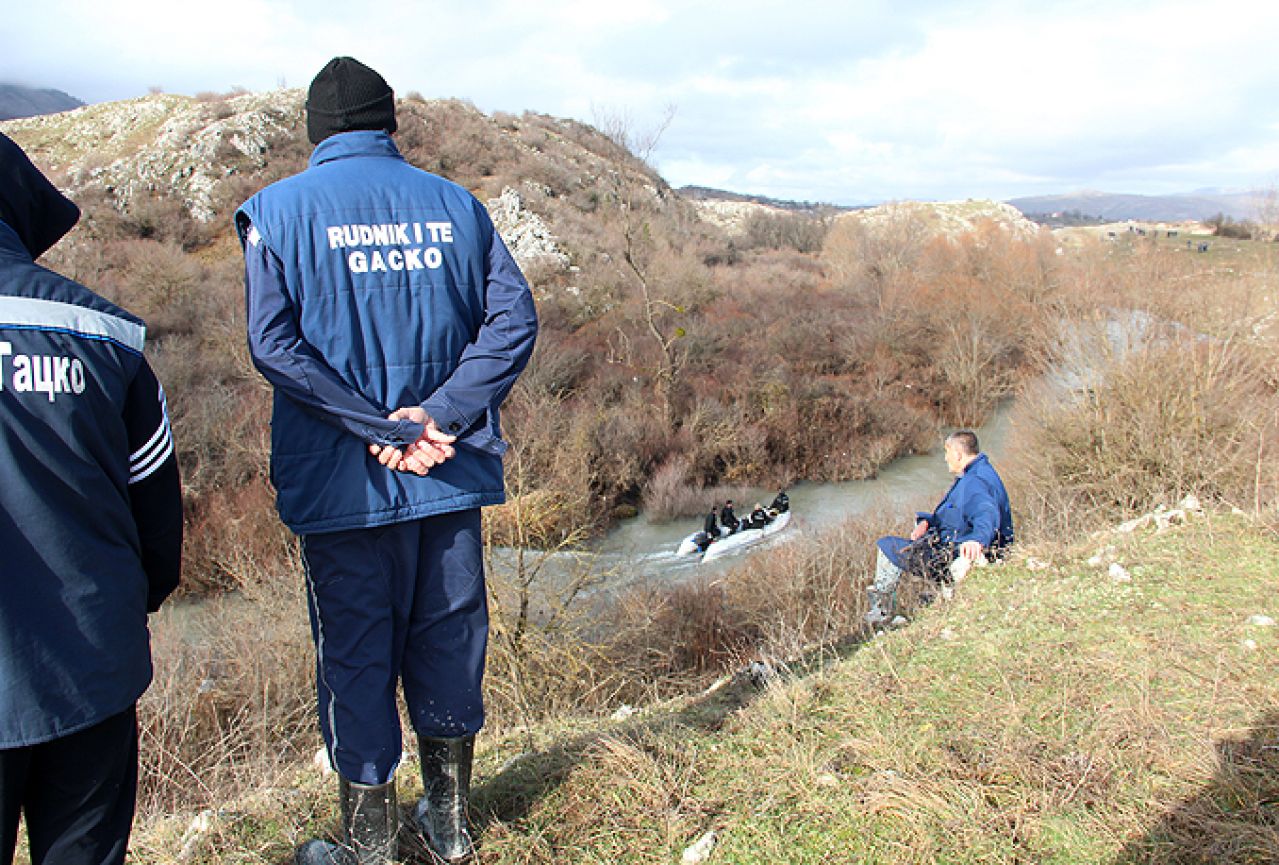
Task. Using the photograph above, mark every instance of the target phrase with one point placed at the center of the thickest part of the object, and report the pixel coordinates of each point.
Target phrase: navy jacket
(372, 285)
(90, 502)
(975, 508)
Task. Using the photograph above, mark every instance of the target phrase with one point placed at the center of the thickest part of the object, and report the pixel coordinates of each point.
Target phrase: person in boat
(781, 503)
(709, 532)
(758, 518)
(727, 518)
(974, 519)
(711, 526)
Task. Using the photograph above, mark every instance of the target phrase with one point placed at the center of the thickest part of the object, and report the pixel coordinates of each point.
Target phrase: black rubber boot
(370, 823)
(441, 813)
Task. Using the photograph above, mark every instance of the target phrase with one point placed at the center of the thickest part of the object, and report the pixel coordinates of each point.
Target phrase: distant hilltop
(17, 100)
(1111, 207)
(706, 193)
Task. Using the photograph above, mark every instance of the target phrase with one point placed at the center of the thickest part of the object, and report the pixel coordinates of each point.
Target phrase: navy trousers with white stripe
(407, 603)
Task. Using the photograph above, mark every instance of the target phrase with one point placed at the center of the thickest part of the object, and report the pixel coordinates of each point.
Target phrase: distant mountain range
(17, 100)
(1112, 207)
(1087, 206)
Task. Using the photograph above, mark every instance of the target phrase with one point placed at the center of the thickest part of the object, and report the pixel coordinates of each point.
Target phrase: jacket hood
(29, 204)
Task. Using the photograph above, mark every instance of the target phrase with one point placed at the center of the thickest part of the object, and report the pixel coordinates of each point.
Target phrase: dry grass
(231, 708)
(1047, 716)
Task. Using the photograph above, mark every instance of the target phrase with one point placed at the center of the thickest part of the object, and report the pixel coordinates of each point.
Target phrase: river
(637, 550)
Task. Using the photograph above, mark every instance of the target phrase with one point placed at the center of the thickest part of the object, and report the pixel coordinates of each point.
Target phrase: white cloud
(820, 99)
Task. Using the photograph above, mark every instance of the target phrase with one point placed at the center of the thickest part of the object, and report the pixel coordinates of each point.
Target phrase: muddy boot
(441, 813)
(880, 612)
(370, 822)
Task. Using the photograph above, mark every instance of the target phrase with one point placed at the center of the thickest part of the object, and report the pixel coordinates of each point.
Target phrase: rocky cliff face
(164, 144)
(533, 171)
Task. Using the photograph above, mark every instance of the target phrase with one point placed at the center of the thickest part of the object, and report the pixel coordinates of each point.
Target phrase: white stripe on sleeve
(145, 460)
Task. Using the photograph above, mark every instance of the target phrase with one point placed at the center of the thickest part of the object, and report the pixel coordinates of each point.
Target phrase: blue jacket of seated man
(372, 285)
(975, 508)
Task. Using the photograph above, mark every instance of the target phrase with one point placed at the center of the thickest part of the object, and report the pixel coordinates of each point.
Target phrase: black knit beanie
(348, 95)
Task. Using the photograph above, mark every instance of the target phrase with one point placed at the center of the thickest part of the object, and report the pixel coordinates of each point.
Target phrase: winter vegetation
(1057, 710)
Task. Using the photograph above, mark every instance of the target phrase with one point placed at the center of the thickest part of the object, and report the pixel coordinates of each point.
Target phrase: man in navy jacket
(973, 519)
(91, 528)
(392, 321)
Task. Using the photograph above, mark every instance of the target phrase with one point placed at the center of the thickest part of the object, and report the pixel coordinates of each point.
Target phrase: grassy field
(1048, 714)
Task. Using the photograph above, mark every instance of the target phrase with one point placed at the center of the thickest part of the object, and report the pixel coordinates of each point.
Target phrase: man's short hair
(965, 440)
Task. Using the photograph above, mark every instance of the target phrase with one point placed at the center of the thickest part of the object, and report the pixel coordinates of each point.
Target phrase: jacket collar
(361, 142)
(980, 458)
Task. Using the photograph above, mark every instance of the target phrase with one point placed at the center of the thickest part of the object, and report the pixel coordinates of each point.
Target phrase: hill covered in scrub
(673, 359)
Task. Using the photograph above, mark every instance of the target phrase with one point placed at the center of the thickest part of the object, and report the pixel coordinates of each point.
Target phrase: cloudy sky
(846, 101)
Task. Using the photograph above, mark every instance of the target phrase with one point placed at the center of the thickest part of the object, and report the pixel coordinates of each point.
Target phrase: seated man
(973, 519)
(710, 529)
(727, 518)
(711, 524)
(781, 502)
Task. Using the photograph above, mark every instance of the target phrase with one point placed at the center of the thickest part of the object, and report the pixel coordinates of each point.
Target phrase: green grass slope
(1042, 716)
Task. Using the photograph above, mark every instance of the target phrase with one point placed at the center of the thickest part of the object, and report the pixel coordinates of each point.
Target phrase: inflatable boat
(725, 544)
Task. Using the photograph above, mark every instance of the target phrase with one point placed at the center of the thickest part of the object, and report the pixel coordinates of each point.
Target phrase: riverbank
(1053, 712)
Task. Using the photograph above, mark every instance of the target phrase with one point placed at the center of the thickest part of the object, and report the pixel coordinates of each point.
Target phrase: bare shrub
(155, 217)
(232, 703)
(802, 232)
(667, 637)
(874, 259)
(805, 595)
(234, 538)
(667, 486)
(784, 602)
(1172, 417)
(673, 492)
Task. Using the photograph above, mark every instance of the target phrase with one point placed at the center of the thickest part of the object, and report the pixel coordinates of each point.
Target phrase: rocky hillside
(17, 100)
(209, 153)
(541, 176)
(160, 144)
(734, 212)
(951, 218)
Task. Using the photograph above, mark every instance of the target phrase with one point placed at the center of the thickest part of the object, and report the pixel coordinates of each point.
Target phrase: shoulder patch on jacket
(39, 314)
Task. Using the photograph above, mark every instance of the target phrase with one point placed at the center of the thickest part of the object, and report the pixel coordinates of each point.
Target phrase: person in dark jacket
(727, 518)
(974, 519)
(711, 524)
(391, 320)
(781, 503)
(710, 530)
(92, 538)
